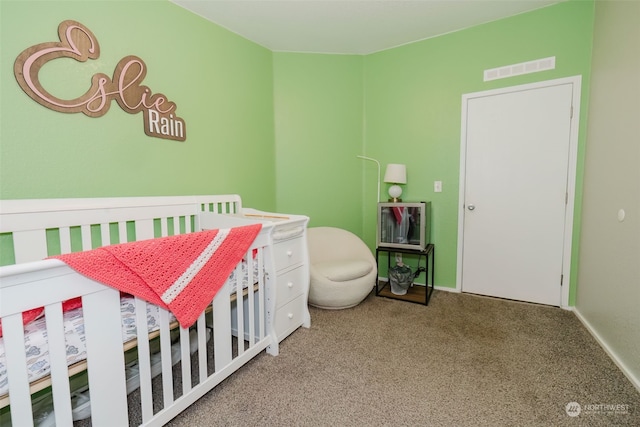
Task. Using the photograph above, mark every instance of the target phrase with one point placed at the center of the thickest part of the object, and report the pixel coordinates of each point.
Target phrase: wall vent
(521, 68)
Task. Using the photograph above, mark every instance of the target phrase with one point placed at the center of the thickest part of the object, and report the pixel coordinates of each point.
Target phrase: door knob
(471, 207)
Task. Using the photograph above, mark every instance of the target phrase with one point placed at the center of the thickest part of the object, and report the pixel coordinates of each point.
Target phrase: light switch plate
(437, 186)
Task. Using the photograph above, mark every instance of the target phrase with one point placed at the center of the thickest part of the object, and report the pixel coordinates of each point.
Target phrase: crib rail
(31, 230)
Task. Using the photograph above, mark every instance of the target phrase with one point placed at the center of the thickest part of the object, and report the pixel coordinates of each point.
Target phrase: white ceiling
(351, 26)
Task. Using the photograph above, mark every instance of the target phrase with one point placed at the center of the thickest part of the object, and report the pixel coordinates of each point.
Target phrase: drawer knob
(290, 315)
(289, 253)
(290, 284)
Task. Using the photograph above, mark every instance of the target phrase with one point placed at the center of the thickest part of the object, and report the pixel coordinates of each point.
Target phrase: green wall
(222, 85)
(318, 123)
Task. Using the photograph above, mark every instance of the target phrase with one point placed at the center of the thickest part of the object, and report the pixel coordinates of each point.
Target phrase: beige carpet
(462, 361)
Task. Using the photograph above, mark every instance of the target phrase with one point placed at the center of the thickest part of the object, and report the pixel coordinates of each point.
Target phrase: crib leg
(273, 349)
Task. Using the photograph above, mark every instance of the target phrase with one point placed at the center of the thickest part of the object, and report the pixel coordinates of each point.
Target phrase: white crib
(209, 351)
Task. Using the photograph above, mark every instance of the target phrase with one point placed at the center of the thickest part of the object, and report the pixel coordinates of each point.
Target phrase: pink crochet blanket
(181, 273)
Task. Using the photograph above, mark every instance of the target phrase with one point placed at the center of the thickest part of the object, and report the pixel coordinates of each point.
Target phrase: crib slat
(185, 357)
(29, 245)
(240, 307)
(105, 236)
(144, 364)
(85, 231)
(202, 348)
(251, 301)
(261, 297)
(176, 225)
(165, 348)
(107, 381)
(60, 387)
(19, 396)
(222, 330)
(164, 227)
(122, 231)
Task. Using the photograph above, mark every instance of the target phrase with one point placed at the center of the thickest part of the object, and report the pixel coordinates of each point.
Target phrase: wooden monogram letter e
(79, 43)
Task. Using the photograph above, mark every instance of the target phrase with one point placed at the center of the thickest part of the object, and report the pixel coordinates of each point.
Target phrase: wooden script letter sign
(79, 43)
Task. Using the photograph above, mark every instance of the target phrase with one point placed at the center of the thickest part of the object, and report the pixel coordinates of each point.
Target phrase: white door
(515, 193)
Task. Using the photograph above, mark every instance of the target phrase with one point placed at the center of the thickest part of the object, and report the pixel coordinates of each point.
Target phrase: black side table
(417, 294)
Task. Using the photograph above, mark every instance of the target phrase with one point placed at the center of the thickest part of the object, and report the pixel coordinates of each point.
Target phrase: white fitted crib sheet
(37, 347)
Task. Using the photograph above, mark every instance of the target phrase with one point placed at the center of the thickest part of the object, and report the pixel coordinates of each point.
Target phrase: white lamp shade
(396, 174)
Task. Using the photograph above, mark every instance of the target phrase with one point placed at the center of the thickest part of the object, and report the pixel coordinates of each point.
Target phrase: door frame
(576, 81)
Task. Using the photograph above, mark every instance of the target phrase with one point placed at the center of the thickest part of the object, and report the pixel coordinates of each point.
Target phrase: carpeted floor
(462, 361)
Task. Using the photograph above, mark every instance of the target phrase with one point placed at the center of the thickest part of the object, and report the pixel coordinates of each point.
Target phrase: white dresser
(291, 262)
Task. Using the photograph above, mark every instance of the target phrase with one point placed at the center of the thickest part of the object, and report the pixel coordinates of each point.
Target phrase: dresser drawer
(288, 253)
(290, 285)
(289, 317)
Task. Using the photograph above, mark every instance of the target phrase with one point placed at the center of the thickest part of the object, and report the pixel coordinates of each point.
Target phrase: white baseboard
(612, 354)
(447, 289)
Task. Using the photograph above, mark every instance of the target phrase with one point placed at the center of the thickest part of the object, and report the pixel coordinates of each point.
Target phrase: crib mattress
(37, 347)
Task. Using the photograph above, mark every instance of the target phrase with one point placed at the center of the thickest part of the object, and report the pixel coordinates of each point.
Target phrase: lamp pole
(377, 163)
